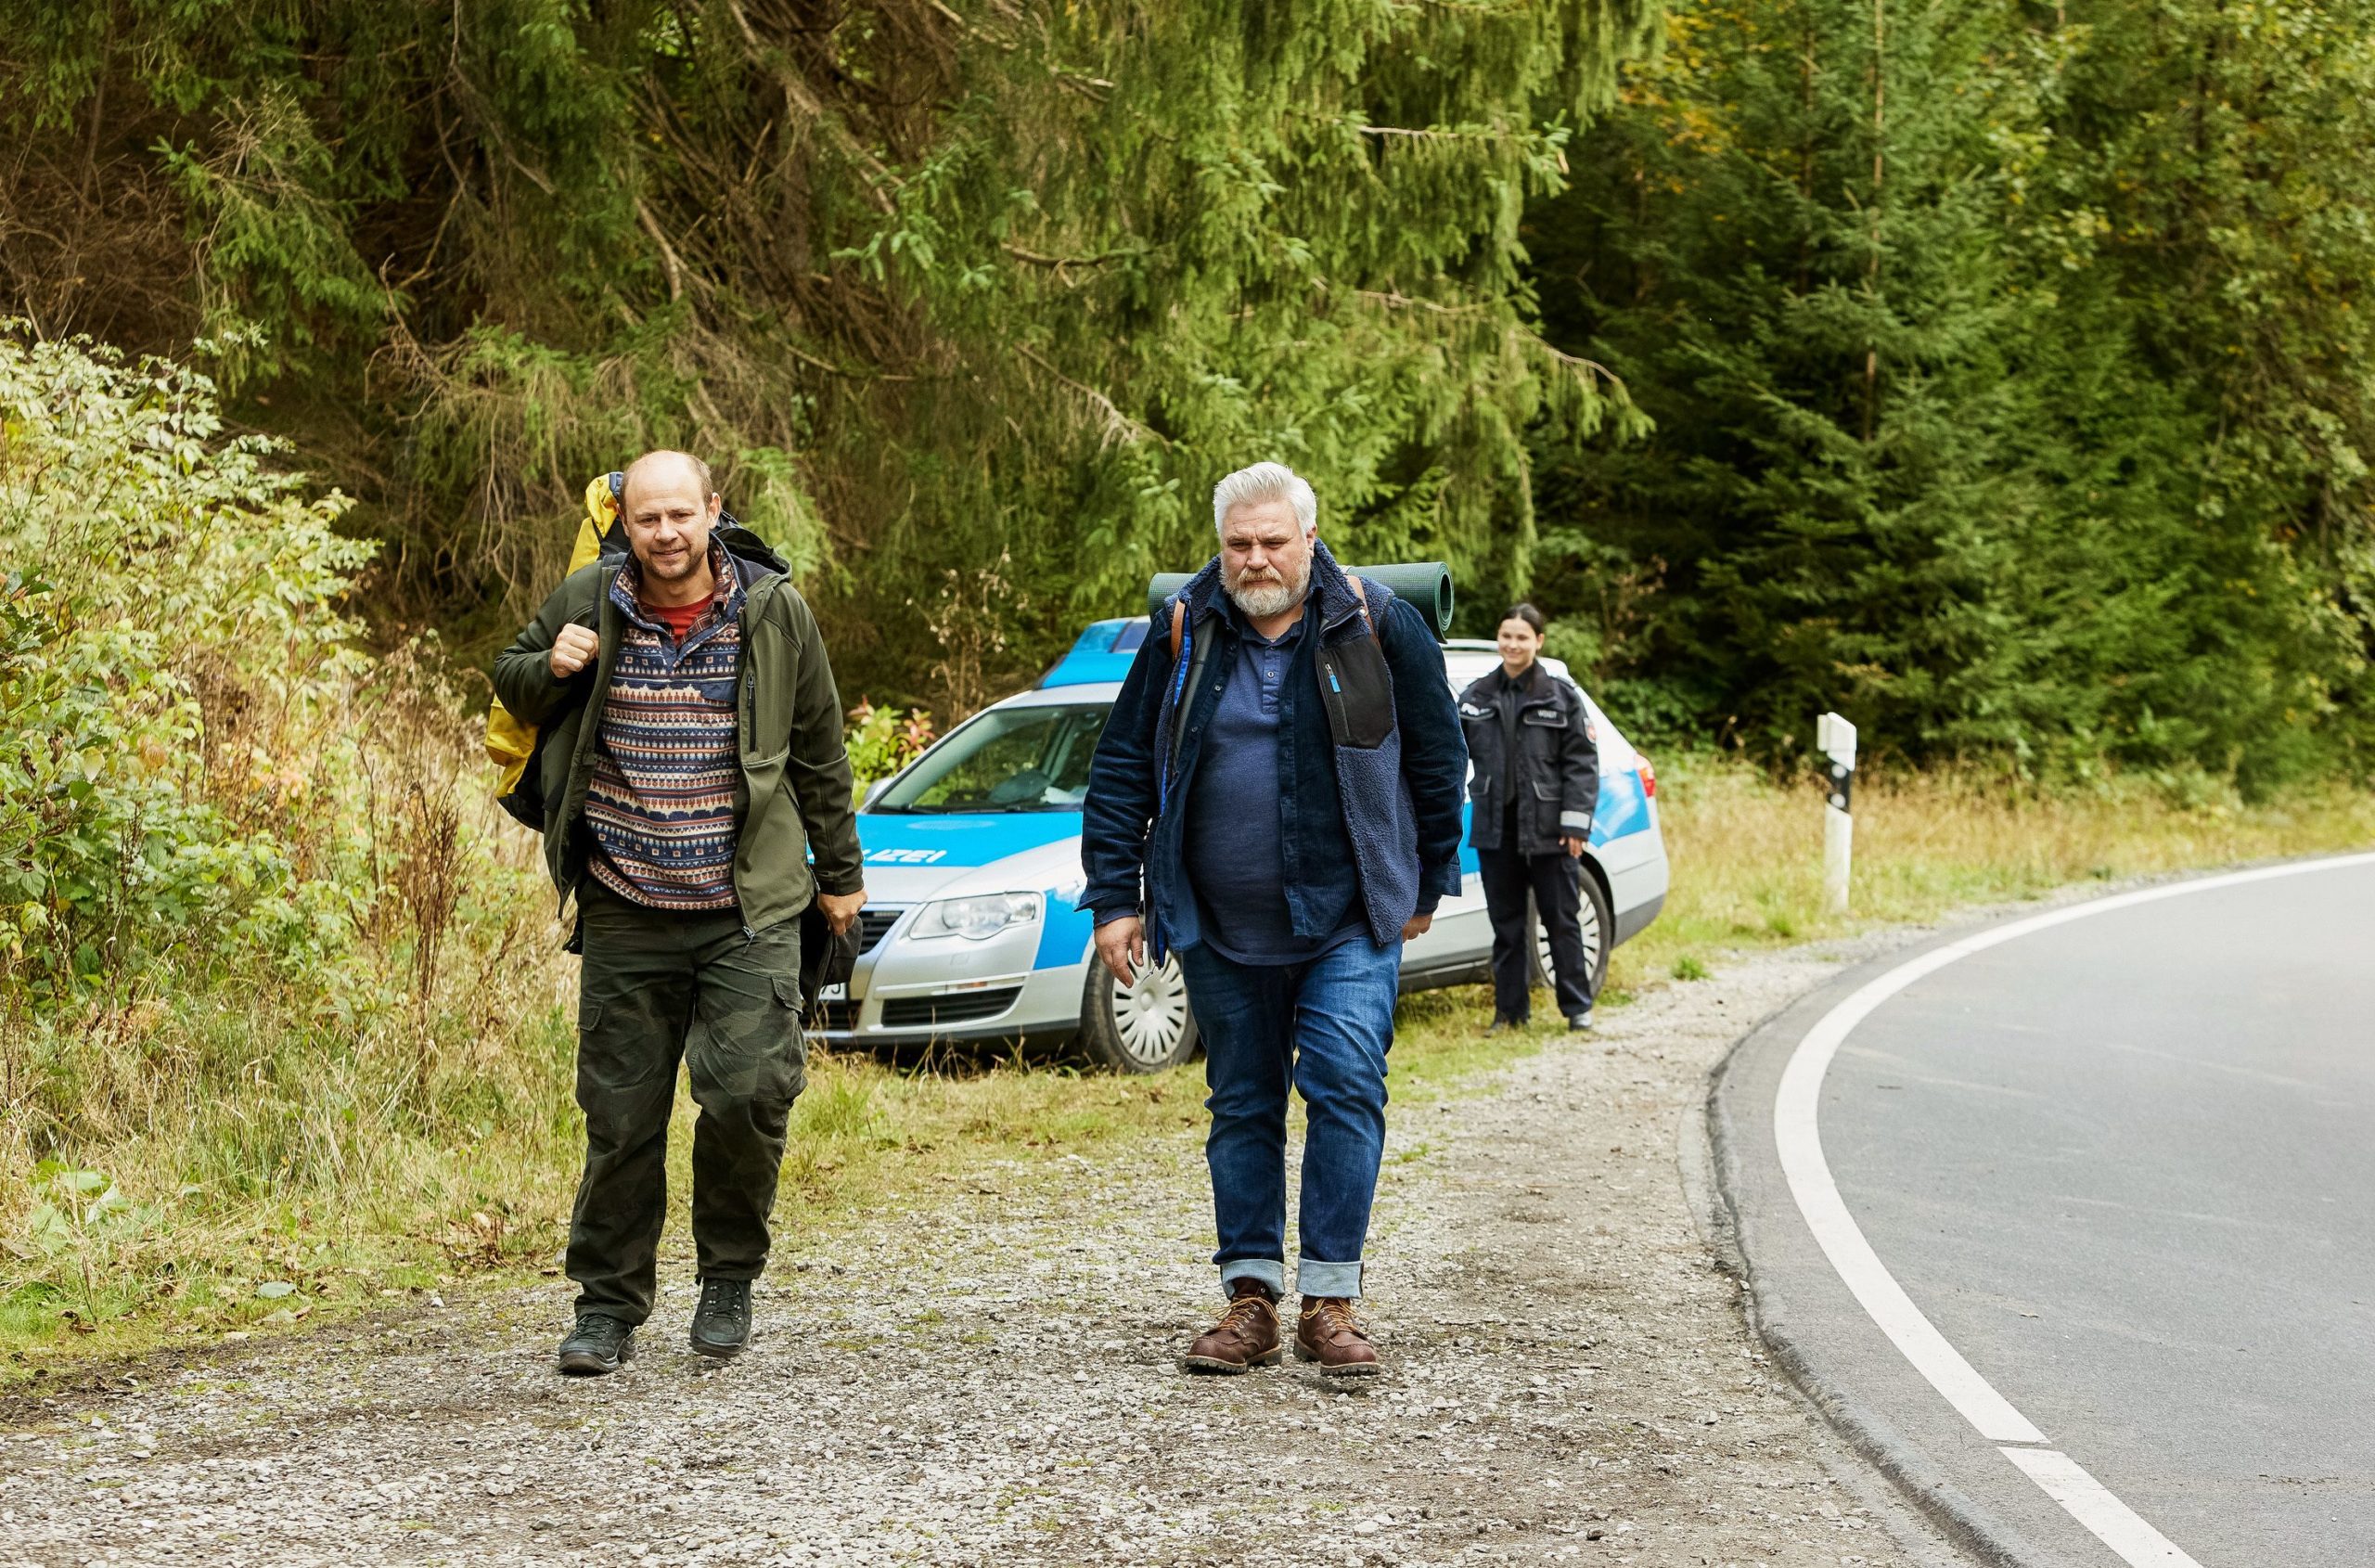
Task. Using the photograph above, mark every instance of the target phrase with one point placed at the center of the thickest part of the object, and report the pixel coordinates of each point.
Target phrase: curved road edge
(1752, 1213)
(1735, 1231)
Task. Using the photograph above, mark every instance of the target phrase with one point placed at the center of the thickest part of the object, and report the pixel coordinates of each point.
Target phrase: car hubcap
(1588, 918)
(1152, 1016)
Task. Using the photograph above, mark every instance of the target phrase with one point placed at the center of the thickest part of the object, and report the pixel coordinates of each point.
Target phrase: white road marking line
(2091, 1504)
(1798, 1139)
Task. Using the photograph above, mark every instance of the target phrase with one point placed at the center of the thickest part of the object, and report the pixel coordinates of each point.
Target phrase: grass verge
(1747, 854)
(247, 1170)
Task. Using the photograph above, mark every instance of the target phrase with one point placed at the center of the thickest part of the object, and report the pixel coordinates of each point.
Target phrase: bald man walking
(693, 763)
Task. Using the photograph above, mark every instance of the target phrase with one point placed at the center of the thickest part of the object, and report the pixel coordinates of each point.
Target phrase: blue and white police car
(972, 863)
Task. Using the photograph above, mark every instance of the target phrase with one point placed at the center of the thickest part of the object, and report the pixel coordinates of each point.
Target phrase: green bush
(883, 741)
(268, 952)
(174, 671)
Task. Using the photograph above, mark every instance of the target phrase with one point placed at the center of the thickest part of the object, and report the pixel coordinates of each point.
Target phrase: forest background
(1995, 374)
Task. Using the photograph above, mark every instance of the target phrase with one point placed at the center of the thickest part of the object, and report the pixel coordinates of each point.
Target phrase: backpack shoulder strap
(1361, 597)
(1193, 678)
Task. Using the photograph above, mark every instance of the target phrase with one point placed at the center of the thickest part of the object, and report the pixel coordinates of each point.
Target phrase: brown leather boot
(1246, 1336)
(1328, 1333)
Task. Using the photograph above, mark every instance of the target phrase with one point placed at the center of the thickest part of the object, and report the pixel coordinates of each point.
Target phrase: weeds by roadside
(1747, 854)
(284, 1022)
(247, 1154)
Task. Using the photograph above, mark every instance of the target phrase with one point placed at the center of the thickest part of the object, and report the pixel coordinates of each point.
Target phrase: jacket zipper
(742, 746)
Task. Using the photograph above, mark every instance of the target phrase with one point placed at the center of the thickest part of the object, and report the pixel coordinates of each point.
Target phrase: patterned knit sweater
(660, 801)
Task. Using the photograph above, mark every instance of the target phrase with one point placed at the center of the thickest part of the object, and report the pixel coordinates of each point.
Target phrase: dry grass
(256, 1144)
(1747, 854)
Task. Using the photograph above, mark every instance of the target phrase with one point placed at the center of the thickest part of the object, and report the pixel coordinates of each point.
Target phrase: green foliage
(932, 284)
(2007, 364)
(263, 936)
(2008, 391)
(881, 740)
(165, 689)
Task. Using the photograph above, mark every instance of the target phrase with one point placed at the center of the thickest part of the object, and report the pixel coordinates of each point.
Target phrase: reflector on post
(1835, 739)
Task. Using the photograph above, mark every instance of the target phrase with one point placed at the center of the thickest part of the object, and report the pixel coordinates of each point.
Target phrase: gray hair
(1265, 482)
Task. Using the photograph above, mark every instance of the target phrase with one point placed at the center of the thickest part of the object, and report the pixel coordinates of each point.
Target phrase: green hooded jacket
(794, 791)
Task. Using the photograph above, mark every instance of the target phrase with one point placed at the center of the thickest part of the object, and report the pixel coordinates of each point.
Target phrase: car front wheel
(1141, 1028)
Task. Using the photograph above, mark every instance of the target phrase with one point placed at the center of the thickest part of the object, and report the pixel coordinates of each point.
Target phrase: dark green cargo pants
(658, 987)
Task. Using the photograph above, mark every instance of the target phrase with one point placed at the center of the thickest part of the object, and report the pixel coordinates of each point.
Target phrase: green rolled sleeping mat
(1425, 584)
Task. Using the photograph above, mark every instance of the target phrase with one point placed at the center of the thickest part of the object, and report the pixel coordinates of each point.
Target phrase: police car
(973, 863)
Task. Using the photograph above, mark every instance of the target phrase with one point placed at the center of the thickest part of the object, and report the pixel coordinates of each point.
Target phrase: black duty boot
(597, 1345)
(722, 1322)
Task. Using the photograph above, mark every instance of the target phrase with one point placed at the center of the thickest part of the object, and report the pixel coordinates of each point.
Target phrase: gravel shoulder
(1570, 1378)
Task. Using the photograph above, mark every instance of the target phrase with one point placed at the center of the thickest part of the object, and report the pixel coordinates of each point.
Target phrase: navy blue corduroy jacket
(1398, 802)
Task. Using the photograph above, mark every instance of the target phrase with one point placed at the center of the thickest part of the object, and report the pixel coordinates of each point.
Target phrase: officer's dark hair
(1525, 612)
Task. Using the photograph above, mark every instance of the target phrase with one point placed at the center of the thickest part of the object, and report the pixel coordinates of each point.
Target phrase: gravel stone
(1569, 1379)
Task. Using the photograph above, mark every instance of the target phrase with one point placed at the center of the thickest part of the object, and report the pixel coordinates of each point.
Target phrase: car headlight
(985, 915)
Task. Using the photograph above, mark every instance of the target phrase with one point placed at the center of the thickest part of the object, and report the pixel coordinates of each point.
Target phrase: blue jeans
(1323, 1025)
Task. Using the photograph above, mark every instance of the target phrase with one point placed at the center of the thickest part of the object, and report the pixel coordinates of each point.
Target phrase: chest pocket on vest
(1543, 718)
(1357, 691)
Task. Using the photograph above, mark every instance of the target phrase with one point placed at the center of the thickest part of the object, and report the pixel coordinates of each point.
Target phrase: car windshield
(1008, 759)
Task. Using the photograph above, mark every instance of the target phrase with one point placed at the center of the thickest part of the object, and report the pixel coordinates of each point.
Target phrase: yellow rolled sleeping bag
(509, 742)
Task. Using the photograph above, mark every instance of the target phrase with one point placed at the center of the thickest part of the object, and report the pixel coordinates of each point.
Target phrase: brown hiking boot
(1328, 1333)
(1246, 1336)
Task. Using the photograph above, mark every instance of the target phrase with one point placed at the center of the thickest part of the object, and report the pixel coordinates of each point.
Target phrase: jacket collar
(1530, 683)
(733, 577)
(1488, 686)
(1330, 594)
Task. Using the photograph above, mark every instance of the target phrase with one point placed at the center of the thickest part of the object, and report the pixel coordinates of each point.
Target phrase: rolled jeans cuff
(1314, 1277)
(1270, 1271)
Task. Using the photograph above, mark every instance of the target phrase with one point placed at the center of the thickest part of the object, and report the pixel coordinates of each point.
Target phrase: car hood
(913, 857)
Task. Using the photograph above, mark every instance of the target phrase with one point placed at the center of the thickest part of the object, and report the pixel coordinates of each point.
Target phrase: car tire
(1143, 1028)
(1598, 922)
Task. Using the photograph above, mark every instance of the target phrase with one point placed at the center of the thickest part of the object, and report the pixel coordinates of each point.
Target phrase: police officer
(1537, 780)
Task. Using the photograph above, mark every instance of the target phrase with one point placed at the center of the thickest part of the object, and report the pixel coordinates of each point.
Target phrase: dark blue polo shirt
(1234, 841)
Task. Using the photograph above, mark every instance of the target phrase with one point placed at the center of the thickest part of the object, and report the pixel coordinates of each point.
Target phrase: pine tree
(2010, 388)
(1788, 235)
(943, 284)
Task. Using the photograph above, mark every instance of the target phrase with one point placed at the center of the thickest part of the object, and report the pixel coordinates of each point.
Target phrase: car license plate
(837, 992)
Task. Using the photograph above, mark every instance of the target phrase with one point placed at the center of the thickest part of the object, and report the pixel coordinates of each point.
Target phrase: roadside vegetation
(2026, 423)
(284, 1024)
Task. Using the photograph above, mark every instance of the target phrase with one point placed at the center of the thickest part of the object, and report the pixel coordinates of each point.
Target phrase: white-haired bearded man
(1276, 796)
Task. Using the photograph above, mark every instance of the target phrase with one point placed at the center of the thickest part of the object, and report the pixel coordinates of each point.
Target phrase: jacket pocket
(765, 696)
(765, 713)
(1357, 691)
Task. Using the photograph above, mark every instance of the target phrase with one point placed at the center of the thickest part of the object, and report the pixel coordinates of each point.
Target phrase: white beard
(1266, 599)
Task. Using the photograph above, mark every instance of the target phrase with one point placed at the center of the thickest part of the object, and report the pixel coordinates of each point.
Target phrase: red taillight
(1649, 777)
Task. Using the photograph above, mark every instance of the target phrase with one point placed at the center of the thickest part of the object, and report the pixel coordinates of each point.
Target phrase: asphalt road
(2123, 1166)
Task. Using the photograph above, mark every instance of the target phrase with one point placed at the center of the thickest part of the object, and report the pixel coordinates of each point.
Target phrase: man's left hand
(840, 909)
(1415, 926)
(1575, 845)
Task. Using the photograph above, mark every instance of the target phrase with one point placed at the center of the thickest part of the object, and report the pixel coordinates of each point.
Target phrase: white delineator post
(1835, 739)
